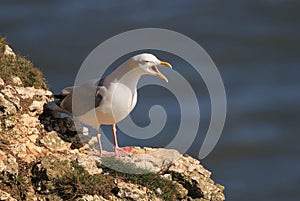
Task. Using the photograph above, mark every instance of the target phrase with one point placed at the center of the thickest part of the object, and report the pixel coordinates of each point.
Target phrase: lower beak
(159, 74)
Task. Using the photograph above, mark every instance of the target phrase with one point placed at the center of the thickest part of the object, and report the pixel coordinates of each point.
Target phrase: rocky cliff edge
(42, 157)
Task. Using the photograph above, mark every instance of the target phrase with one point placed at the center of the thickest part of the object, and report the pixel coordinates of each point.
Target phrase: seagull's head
(148, 64)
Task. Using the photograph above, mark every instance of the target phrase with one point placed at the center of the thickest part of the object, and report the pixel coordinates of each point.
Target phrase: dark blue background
(255, 45)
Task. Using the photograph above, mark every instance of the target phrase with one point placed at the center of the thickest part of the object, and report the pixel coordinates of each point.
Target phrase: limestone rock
(9, 51)
(11, 95)
(55, 143)
(48, 170)
(1, 82)
(29, 121)
(154, 160)
(36, 107)
(182, 192)
(17, 81)
(7, 108)
(9, 122)
(30, 92)
(65, 127)
(8, 163)
(27, 152)
(54, 166)
(89, 164)
(128, 191)
(6, 196)
(91, 198)
(188, 172)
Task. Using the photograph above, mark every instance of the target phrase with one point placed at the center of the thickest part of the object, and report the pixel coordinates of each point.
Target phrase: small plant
(133, 174)
(11, 66)
(79, 182)
(19, 179)
(16, 185)
(116, 165)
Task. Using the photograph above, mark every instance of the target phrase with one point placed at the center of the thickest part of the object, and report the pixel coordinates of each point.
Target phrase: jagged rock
(188, 172)
(54, 166)
(8, 163)
(154, 160)
(30, 92)
(55, 143)
(89, 164)
(29, 121)
(1, 82)
(7, 108)
(128, 191)
(48, 170)
(91, 198)
(17, 81)
(27, 152)
(33, 137)
(11, 95)
(9, 122)
(182, 192)
(36, 107)
(4, 196)
(8, 51)
(65, 127)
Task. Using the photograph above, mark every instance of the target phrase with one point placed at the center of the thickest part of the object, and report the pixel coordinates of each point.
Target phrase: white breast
(117, 103)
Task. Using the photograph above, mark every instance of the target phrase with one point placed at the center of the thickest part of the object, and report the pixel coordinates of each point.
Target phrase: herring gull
(115, 96)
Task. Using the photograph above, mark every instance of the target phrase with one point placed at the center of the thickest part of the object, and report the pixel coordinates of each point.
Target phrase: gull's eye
(145, 62)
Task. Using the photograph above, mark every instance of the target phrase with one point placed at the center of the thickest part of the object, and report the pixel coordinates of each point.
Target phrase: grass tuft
(11, 66)
(79, 182)
(141, 177)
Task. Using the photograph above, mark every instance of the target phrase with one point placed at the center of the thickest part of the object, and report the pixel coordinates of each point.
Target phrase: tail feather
(58, 98)
(55, 107)
(63, 101)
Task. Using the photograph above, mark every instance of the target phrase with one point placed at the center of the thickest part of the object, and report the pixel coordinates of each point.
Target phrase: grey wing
(81, 99)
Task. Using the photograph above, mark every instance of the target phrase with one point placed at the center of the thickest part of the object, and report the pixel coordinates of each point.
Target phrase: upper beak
(159, 74)
(163, 63)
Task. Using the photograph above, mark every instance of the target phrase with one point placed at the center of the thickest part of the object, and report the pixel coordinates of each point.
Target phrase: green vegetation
(2, 45)
(16, 185)
(72, 181)
(117, 165)
(79, 182)
(141, 177)
(11, 66)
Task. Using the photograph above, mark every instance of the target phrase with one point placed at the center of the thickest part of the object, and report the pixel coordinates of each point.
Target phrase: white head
(147, 63)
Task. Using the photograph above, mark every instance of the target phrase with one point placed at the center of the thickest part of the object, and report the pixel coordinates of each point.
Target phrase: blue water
(255, 45)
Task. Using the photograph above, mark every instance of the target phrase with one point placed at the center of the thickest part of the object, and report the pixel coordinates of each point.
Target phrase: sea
(255, 46)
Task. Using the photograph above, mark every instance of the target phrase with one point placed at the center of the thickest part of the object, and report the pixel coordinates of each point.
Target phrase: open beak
(158, 73)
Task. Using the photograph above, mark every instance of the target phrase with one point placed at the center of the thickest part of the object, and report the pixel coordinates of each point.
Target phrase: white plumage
(115, 96)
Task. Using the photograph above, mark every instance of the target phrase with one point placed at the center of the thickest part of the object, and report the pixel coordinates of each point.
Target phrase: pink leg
(101, 152)
(99, 142)
(120, 151)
